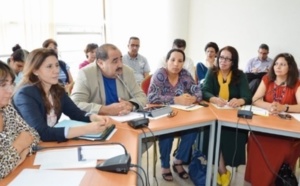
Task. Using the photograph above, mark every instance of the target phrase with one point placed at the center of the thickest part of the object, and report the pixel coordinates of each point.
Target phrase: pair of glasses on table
(285, 116)
(172, 114)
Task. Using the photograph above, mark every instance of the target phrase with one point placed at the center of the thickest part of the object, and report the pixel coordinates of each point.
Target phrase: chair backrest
(201, 71)
(145, 84)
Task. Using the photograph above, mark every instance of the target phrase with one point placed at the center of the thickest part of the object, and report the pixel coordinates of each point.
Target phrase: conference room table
(272, 124)
(132, 140)
(93, 176)
(183, 120)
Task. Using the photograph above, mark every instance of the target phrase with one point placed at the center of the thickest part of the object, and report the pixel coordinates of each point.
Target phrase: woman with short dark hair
(90, 53)
(16, 137)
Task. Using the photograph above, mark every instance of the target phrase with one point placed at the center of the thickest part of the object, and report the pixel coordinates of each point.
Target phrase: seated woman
(17, 61)
(211, 50)
(224, 85)
(90, 53)
(174, 85)
(41, 100)
(65, 76)
(16, 137)
(281, 93)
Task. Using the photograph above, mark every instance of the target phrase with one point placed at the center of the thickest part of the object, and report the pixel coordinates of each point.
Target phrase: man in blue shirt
(108, 87)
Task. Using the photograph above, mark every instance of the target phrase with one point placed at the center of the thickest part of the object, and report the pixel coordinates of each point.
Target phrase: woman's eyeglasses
(222, 58)
(8, 87)
(285, 116)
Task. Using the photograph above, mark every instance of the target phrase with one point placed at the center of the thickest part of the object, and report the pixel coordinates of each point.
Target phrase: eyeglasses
(225, 59)
(285, 116)
(7, 87)
(172, 114)
(133, 45)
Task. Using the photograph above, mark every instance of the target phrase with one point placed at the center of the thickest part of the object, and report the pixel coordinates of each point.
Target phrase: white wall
(156, 22)
(245, 24)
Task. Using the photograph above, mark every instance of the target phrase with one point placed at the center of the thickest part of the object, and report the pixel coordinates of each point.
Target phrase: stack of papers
(186, 108)
(128, 117)
(296, 116)
(256, 110)
(36, 177)
(224, 107)
(76, 157)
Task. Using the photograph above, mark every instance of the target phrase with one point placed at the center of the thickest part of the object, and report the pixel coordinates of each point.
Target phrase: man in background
(258, 67)
(188, 63)
(136, 61)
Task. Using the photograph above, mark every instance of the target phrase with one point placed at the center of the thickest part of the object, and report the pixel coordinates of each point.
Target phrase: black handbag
(287, 176)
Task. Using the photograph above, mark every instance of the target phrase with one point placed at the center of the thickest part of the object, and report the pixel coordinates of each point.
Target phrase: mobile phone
(285, 116)
(203, 104)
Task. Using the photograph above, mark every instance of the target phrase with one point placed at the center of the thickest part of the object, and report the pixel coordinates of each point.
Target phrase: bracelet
(286, 108)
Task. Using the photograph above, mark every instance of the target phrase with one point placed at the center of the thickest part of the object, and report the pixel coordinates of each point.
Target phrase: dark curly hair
(293, 72)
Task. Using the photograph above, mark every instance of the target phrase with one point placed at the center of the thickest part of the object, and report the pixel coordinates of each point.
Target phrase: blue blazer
(29, 103)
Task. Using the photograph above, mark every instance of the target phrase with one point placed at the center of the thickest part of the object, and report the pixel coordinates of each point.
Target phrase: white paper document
(102, 152)
(187, 108)
(157, 117)
(130, 116)
(70, 165)
(68, 155)
(256, 110)
(296, 116)
(36, 177)
(224, 107)
(69, 158)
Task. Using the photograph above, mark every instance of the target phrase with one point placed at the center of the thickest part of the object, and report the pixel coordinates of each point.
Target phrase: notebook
(93, 137)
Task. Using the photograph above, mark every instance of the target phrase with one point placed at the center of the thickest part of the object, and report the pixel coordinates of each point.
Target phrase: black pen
(191, 106)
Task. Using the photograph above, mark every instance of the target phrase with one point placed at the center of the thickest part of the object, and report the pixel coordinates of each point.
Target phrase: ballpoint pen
(191, 106)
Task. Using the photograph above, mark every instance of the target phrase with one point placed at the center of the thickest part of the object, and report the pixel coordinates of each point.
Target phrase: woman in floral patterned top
(174, 85)
(16, 137)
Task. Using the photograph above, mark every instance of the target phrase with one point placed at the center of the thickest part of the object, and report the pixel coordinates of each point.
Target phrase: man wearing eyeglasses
(188, 63)
(136, 61)
(257, 67)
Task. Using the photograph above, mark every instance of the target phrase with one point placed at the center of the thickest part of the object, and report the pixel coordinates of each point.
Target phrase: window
(73, 24)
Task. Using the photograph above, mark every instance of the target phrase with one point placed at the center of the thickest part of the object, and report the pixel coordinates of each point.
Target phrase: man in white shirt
(260, 63)
(188, 63)
(134, 60)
